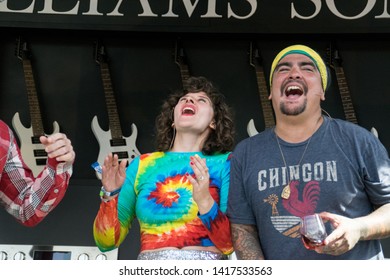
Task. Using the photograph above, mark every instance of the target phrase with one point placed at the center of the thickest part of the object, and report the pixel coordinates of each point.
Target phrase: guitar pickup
(40, 161)
(121, 155)
(40, 153)
(118, 142)
(35, 140)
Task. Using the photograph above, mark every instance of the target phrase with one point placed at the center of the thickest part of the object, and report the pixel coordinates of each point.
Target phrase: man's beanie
(313, 55)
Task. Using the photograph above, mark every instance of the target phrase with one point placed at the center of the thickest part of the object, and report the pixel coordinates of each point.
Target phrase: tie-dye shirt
(157, 192)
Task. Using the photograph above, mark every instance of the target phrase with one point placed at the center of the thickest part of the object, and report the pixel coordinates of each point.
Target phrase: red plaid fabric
(26, 198)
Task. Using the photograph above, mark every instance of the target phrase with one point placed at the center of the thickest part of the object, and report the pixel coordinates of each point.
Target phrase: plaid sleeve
(26, 198)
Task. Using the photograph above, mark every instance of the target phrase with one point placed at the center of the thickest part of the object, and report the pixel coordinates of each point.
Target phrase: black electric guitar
(180, 60)
(335, 62)
(33, 152)
(268, 114)
(112, 140)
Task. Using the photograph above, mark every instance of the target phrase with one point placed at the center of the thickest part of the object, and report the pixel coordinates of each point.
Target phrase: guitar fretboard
(113, 116)
(35, 112)
(266, 106)
(268, 115)
(346, 99)
(184, 72)
(180, 60)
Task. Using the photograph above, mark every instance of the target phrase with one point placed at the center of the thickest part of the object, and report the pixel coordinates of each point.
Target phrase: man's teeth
(292, 88)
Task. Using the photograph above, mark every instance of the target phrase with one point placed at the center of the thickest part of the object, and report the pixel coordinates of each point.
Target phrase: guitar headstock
(22, 50)
(100, 53)
(179, 55)
(181, 61)
(333, 57)
(254, 55)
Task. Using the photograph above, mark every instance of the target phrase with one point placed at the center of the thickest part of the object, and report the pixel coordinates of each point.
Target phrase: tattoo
(246, 242)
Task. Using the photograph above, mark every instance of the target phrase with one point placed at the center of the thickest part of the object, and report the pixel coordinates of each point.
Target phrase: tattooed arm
(350, 231)
(246, 242)
(377, 224)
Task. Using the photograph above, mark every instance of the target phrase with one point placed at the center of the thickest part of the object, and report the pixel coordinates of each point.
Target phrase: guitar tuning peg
(336, 54)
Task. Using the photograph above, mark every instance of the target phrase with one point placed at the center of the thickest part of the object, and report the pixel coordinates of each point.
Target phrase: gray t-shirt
(345, 170)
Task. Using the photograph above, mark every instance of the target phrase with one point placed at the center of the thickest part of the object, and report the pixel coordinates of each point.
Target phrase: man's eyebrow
(302, 63)
(283, 64)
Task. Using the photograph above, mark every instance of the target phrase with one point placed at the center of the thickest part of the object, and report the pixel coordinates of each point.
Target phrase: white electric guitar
(112, 141)
(33, 152)
(268, 114)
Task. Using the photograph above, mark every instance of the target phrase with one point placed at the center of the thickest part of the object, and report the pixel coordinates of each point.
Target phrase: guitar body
(251, 128)
(125, 147)
(33, 152)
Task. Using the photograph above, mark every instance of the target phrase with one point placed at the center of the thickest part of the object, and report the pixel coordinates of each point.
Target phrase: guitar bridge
(35, 140)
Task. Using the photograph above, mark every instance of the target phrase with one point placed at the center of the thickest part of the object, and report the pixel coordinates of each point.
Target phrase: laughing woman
(178, 193)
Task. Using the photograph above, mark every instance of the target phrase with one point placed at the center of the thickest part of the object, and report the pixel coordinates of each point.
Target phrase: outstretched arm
(246, 242)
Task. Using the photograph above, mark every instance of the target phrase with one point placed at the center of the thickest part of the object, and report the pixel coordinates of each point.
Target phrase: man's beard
(294, 111)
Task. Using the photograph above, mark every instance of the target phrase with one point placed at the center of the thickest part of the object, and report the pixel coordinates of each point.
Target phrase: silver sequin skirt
(170, 254)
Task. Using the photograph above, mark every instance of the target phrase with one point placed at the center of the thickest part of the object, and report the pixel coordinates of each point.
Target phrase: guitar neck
(346, 99)
(35, 111)
(180, 60)
(184, 72)
(112, 109)
(268, 114)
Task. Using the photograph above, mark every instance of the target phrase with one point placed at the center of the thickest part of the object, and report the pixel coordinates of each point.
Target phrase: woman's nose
(189, 100)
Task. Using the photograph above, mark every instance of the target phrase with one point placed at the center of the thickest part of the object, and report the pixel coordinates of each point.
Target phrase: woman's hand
(113, 172)
(200, 184)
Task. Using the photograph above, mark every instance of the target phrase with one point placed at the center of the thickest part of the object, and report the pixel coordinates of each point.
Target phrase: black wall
(143, 72)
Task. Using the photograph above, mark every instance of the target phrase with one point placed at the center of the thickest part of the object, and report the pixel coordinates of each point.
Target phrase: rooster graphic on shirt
(298, 206)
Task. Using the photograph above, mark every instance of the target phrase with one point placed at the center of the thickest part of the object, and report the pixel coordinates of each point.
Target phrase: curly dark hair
(220, 139)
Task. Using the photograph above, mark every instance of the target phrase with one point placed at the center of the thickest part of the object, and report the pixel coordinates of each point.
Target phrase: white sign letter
(385, 13)
(115, 12)
(211, 10)
(317, 4)
(93, 8)
(253, 4)
(48, 9)
(170, 12)
(147, 10)
(367, 9)
(4, 8)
